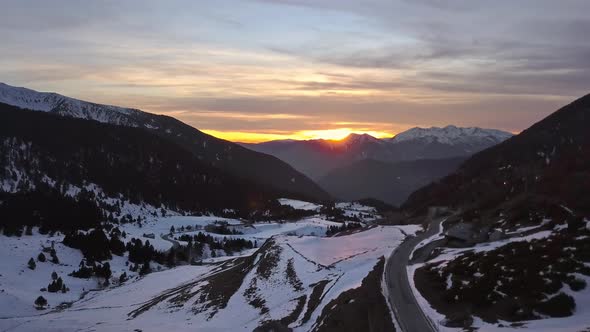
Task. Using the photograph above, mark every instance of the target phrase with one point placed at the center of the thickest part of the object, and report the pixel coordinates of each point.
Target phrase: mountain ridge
(532, 163)
(237, 160)
(316, 158)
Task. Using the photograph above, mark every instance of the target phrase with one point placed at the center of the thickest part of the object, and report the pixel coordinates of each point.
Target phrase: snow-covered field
(339, 263)
(299, 205)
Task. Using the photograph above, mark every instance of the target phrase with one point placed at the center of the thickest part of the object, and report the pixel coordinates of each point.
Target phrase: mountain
(452, 135)
(67, 173)
(519, 232)
(233, 158)
(389, 182)
(547, 164)
(316, 158)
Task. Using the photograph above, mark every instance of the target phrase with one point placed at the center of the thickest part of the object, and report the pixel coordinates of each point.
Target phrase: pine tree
(41, 258)
(145, 269)
(171, 258)
(40, 303)
(54, 258)
(32, 264)
(60, 283)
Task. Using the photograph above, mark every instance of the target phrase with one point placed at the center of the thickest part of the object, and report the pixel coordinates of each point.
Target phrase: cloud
(286, 66)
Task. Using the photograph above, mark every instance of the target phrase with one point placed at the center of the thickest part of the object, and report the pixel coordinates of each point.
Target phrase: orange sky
(331, 134)
(254, 71)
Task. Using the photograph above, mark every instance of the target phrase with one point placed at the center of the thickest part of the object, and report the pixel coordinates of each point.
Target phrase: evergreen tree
(54, 258)
(171, 258)
(40, 303)
(41, 258)
(32, 264)
(145, 269)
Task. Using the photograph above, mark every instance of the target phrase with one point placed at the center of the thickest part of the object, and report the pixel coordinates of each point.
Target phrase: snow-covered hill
(291, 278)
(66, 106)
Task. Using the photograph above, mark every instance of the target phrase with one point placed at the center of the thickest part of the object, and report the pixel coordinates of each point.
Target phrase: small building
(461, 234)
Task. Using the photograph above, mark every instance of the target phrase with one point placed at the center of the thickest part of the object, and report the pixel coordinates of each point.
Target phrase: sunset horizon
(335, 131)
(295, 165)
(257, 70)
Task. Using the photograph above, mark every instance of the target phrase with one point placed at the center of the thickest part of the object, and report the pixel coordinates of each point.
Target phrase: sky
(256, 70)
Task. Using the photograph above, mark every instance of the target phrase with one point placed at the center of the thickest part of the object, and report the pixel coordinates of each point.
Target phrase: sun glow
(337, 134)
(327, 134)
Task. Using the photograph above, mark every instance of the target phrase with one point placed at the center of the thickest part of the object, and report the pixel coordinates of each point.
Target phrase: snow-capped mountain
(452, 135)
(357, 139)
(240, 162)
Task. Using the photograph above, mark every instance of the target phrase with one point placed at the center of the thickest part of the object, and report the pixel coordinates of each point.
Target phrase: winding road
(407, 311)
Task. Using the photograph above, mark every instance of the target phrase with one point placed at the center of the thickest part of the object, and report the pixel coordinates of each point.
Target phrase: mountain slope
(520, 234)
(548, 162)
(237, 160)
(316, 158)
(389, 182)
(62, 172)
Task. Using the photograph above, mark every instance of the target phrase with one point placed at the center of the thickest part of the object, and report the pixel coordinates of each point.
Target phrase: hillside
(233, 158)
(548, 163)
(520, 233)
(71, 173)
(182, 273)
(389, 182)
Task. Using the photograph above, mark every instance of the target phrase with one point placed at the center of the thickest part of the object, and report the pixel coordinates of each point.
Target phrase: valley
(294, 166)
(108, 223)
(290, 276)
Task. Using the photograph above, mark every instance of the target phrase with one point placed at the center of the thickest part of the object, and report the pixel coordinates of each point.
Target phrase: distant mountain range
(345, 168)
(217, 153)
(316, 158)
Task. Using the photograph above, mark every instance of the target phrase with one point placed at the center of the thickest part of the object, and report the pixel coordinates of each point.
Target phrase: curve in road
(408, 312)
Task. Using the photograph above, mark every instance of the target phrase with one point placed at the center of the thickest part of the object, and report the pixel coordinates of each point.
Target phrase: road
(406, 309)
(168, 237)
